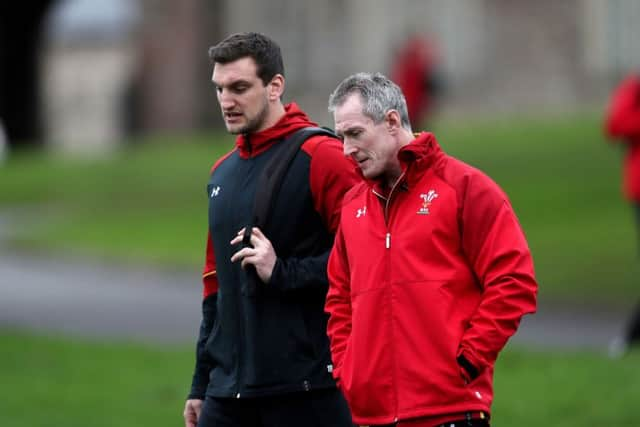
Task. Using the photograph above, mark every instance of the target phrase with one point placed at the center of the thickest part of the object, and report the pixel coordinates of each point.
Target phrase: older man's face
(367, 143)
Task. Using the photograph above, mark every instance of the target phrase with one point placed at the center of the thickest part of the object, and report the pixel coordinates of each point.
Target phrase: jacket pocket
(433, 322)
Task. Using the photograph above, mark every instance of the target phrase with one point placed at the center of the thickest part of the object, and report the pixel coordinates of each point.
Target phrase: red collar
(415, 159)
(250, 145)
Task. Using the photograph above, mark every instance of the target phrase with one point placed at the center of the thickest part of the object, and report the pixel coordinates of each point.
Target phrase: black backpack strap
(276, 168)
(269, 185)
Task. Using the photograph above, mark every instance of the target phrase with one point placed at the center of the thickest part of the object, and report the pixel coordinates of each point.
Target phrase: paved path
(92, 299)
(97, 300)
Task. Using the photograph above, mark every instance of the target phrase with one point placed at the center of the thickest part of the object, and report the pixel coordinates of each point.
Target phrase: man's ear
(275, 88)
(393, 121)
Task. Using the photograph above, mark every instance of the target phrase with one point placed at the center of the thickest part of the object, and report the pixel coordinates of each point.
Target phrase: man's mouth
(232, 116)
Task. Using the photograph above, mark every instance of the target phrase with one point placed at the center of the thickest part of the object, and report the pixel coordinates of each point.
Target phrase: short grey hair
(377, 93)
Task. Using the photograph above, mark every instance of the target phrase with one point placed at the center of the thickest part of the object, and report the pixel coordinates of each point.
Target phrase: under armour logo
(361, 212)
(215, 191)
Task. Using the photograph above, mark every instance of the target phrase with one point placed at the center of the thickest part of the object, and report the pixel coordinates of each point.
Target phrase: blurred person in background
(262, 356)
(3, 143)
(430, 272)
(622, 124)
(416, 70)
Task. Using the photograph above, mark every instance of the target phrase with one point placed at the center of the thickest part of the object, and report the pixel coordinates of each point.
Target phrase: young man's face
(242, 96)
(367, 143)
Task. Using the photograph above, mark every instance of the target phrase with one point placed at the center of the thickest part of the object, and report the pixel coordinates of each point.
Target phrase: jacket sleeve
(203, 364)
(338, 304)
(300, 273)
(331, 175)
(623, 114)
(499, 255)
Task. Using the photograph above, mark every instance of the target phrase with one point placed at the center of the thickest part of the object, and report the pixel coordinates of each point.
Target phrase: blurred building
(145, 69)
(497, 55)
(90, 58)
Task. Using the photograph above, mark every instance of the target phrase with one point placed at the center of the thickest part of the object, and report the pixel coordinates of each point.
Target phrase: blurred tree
(21, 25)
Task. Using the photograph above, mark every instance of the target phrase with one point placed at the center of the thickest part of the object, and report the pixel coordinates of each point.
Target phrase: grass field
(60, 382)
(50, 381)
(147, 203)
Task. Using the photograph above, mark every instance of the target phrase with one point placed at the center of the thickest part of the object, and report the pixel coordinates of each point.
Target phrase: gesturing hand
(261, 255)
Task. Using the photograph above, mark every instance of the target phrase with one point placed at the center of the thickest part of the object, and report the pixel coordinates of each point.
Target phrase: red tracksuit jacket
(440, 269)
(623, 122)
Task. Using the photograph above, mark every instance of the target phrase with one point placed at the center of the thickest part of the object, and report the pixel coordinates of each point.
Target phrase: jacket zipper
(386, 210)
(387, 245)
(240, 311)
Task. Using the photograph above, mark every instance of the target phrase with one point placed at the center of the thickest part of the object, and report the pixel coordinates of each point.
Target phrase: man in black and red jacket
(263, 354)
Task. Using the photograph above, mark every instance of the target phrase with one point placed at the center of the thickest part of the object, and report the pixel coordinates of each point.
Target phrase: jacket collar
(415, 158)
(250, 145)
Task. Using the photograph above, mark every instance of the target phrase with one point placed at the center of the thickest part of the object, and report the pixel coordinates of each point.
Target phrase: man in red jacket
(623, 124)
(429, 275)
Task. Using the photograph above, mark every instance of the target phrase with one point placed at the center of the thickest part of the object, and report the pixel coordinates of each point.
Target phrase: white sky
(103, 17)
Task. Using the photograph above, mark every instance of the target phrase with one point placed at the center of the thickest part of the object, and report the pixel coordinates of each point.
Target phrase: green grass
(51, 381)
(147, 203)
(565, 389)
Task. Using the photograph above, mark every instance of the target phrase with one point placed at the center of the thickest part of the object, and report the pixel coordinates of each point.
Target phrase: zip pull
(388, 241)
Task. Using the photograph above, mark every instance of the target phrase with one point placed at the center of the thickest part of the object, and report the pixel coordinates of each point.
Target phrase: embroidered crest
(427, 198)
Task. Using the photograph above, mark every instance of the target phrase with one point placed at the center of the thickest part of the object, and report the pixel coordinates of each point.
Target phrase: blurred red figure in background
(414, 69)
(623, 124)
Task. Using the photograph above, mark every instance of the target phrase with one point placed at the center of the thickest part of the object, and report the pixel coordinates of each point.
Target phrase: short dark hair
(264, 51)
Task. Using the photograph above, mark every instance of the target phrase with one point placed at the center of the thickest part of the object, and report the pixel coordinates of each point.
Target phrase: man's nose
(347, 148)
(225, 99)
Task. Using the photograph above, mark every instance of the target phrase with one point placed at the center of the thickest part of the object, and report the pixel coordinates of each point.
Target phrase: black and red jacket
(272, 340)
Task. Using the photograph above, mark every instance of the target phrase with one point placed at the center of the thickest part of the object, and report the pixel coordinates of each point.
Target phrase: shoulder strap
(277, 166)
(269, 184)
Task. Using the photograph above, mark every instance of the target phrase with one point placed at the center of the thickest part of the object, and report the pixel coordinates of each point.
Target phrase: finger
(241, 254)
(258, 239)
(189, 420)
(250, 260)
(238, 234)
(255, 231)
(236, 240)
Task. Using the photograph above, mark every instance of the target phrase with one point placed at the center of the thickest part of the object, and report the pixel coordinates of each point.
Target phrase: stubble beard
(254, 123)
